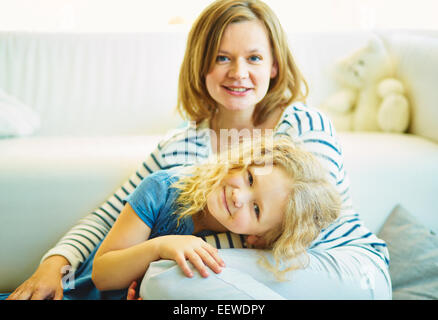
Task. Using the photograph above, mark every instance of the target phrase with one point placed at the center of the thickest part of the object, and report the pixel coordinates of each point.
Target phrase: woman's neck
(240, 121)
(225, 119)
(232, 120)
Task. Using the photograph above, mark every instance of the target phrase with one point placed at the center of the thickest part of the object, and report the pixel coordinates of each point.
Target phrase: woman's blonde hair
(194, 101)
(312, 204)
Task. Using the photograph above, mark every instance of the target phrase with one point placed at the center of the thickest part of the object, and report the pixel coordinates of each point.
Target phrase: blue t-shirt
(154, 201)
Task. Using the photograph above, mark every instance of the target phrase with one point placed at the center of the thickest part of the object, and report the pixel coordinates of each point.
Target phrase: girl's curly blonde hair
(312, 205)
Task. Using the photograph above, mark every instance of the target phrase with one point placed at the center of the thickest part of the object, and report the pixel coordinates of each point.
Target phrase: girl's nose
(239, 197)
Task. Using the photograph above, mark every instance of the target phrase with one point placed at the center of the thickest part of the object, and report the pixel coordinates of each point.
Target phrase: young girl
(276, 193)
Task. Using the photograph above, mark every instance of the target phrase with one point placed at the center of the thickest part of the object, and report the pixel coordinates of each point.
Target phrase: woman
(238, 73)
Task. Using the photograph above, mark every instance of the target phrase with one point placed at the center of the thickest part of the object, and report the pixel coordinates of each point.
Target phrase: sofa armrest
(388, 169)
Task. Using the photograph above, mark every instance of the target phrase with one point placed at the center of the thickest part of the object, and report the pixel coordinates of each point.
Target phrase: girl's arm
(77, 244)
(126, 253)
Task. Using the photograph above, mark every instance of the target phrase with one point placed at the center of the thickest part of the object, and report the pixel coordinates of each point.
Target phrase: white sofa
(106, 99)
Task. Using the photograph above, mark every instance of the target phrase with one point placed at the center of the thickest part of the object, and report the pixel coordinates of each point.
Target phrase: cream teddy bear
(370, 99)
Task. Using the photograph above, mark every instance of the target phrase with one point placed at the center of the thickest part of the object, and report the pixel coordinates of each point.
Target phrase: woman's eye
(222, 59)
(257, 210)
(250, 178)
(255, 58)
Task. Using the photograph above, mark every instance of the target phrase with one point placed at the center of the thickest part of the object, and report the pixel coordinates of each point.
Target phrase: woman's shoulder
(314, 130)
(188, 131)
(299, 119)
(184, 145)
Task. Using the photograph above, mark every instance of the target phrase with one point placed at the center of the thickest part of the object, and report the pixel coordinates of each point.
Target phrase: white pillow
(16, 118)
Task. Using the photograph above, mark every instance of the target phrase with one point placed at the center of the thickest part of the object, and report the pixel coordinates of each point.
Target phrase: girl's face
(244, 67)
(248, 202)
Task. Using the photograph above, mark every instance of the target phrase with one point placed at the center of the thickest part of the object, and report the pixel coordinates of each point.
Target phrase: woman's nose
(238, 70)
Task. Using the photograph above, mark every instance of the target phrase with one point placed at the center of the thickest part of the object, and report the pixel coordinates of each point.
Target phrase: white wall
(145, 15)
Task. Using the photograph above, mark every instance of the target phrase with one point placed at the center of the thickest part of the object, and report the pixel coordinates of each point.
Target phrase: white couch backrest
(116, 84)
(416, 56)
(95, 84)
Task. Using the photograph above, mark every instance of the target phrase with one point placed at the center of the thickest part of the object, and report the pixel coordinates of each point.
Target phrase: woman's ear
(274, 70)
(254, 241)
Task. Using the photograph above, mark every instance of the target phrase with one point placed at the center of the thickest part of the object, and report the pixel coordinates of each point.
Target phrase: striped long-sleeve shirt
(192, 144)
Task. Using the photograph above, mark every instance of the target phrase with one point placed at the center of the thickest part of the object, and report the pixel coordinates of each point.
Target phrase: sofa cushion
(413, 250)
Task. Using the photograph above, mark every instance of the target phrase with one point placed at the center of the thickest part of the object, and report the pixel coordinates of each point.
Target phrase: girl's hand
(45, 283)
(194, 249)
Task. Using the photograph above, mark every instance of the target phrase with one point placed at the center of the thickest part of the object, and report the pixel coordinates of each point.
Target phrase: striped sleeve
(313, 129)
(349, 231)
(225, 240)
(317, 134)
(180, 147)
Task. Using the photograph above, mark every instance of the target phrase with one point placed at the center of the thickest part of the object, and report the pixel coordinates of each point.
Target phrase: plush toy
(370, 98)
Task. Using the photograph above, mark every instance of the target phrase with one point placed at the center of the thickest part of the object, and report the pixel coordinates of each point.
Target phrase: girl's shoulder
(153, 196)
(157, 183)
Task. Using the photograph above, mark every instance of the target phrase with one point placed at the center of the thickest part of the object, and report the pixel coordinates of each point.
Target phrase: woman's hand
(45, 283)
(132, 293)
(197, 251)
(255, 242)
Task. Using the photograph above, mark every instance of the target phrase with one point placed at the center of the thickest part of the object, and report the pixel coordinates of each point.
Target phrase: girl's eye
(221, 59)
(250, 178)
(257, 210)
(255, 206)
(255, 59)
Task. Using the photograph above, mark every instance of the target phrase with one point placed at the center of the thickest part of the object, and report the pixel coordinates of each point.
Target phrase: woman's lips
(224, 198)
(237, 91)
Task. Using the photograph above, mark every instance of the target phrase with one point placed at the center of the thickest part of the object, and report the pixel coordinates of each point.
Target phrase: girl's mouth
(224, 198)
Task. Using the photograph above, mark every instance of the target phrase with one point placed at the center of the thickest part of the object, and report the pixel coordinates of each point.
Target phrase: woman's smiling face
(247, 202)
(243, 68)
